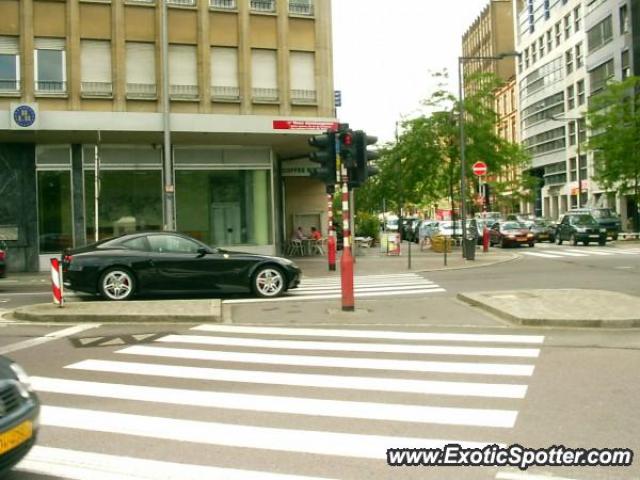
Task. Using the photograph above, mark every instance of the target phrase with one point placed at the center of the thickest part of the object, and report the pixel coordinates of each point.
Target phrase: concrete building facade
(81, 86)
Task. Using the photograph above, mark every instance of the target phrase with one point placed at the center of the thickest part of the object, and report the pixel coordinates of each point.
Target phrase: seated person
(299, 235)
(315, 234)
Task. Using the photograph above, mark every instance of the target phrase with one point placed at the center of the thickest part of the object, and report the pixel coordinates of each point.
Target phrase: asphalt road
(151, 401)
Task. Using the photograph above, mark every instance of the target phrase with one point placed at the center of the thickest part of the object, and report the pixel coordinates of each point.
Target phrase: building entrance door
(226, 225)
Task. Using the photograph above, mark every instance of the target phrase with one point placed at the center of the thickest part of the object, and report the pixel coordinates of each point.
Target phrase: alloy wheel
(117, 285)
(269, 282)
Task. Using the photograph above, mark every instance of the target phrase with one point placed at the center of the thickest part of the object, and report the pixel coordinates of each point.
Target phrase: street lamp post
(577, 121)
(461, 60)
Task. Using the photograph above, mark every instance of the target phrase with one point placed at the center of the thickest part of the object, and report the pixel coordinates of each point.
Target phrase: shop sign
(304, 125)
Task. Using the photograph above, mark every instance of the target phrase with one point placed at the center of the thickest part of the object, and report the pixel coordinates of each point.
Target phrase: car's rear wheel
(532, 244)
(558, 240)
(268, 282)
(602, 243)
(503, 244)
(574, 240)
(117, 284)
(614, 237)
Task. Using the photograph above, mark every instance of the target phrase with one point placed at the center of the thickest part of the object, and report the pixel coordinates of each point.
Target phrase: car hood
(256, 256)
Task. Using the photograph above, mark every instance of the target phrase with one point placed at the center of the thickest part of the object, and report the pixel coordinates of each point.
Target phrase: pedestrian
(300, 234)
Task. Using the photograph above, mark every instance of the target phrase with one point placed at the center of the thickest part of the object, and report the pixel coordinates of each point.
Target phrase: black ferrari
(169, 262)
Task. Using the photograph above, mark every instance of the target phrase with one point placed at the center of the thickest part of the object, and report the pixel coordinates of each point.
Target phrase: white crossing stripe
(81, 465)
(290, 405)
(332, 296)
(544, 255)
(66, 332)
(424, 387)
(232, 435)
(590, 252)
(569, 254)
(375, 334)
(352, 347)
(501, 369)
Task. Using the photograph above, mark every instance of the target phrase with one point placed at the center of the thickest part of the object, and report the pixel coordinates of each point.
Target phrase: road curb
(177, 311)
(548, 322)
(513, 256)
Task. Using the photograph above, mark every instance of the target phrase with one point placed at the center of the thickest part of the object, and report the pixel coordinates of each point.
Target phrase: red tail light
(2, 255)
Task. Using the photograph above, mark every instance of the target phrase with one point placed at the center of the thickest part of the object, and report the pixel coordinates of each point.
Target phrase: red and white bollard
(56, 282)
(485, 239)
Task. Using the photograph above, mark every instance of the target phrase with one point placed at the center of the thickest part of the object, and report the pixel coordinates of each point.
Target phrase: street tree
(614, 122)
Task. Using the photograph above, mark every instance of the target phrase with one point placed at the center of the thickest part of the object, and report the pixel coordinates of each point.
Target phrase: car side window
(566, 220)
(172, 244)
(139, 243)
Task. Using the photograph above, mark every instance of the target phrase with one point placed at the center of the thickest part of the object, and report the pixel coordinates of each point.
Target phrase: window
(95, 66)
(263, 5)
(224, 73)
(567, 27)
(139, 243)
(580, 89)
(626, 68)
(571, 100)
(572, 169)
(600, 34)
(568, 60)
(55, 222)
(141, 70)
(50, 65)
(9, 65)
(183, 72)
(534, 53)
(301, 7)
(624, 20)
(576, 19)
(598, 76)
(264, 75)
(549, 41)
(558, 33)
(172, 244)
(526, 58)
(579, 58)
(541, 46)
(572, 133)
(303, 83)
(547, 13)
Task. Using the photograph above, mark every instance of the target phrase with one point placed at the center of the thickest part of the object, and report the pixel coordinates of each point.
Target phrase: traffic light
(347, 148)
(326, 157)
(362, 170)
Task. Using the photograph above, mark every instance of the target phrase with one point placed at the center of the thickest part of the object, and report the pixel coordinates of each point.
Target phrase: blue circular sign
(24, 116)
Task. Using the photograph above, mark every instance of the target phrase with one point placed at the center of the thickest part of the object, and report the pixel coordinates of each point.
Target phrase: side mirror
(202, 251)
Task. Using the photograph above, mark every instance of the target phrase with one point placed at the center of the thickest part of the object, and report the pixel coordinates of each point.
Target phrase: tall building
(491, 35)
(570, 49)
(81, 86)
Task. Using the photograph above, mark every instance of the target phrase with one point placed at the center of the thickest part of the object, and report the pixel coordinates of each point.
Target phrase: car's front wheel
(268, 282)
(558, 240)
(574, 240)
(602, 243)
(117, 284)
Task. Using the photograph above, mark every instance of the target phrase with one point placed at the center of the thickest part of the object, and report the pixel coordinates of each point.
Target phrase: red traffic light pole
(346, 261)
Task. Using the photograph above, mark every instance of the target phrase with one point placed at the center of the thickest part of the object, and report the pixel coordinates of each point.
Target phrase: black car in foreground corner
(170, 262)
(19, 414)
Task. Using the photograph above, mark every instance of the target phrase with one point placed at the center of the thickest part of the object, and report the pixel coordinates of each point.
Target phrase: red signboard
(304, 125)
(479, 168)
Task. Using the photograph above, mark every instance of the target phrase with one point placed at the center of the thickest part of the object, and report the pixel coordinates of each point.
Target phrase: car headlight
(529, 234)
(603, 230)
(581, 230)
(511, 236)
(23, 379)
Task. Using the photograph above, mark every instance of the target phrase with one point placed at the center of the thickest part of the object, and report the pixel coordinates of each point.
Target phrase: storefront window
(54, 211)
(224, 207)
(130, 201)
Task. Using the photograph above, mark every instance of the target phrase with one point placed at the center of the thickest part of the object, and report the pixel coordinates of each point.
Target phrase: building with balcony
(81, 92)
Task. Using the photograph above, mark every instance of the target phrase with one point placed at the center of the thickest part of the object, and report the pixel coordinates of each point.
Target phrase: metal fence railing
(303, 96)
(141, 90)
(225, 93)
(300, 8)
(183, 91)
(50, 86)
(265, 94)
(96, 89)
(226, 4)
(263, 5)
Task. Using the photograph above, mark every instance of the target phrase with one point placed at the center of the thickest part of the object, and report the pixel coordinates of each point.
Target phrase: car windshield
(512, 226)
(584, 220)
(602, 213)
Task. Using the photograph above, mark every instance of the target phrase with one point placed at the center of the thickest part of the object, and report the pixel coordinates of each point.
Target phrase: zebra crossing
(365, 286)
(278, 403)
(559, 252)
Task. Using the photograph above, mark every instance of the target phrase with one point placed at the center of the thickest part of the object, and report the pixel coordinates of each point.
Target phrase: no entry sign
(479, 168)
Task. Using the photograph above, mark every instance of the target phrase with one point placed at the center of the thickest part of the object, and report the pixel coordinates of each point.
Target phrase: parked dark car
(580, 228)
(605, 217)
(3, 259)
(170, 262)
(19, 413)
(510, 233)
(543, 230)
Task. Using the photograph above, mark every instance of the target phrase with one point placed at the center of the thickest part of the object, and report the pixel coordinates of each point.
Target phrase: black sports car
(170, 262)
(19, 413)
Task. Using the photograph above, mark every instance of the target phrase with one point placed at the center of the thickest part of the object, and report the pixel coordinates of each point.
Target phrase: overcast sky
(384, 51)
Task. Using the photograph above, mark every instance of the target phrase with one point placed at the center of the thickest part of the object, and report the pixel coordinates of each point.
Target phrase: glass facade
(129, 201)
(55, 219)
(225, 207)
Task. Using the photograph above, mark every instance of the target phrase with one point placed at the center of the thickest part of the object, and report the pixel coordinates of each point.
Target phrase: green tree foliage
(423, 165)
(614, 120)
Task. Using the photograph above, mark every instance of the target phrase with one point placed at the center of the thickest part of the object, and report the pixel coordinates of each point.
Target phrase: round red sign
(479, 168)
